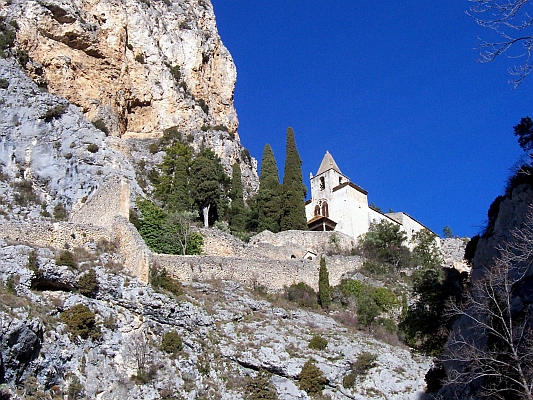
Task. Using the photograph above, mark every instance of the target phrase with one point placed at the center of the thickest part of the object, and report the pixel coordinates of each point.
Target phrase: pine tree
(293, 190)
(237, 217)
(323, 284)
(268, 202)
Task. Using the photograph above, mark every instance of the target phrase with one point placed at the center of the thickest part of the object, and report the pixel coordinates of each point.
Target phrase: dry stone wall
(101, 208)
(60, 235)
(272, 274)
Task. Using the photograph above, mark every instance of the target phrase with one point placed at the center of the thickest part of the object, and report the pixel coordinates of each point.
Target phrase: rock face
(228, 334)
(511, 213)
(508, 214)
(453, 251)
(49, 153)
(139, 66)
(136, 68)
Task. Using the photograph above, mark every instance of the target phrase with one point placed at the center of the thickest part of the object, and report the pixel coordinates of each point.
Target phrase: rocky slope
(228, 335)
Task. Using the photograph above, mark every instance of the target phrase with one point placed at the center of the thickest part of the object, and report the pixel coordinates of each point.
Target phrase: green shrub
(68, 156)
(44, 211)
(367, 311)
(161, 281)
(203, 106)
(365, 361)
(318, 343)
(81, 322)
(66, 258)
(9, 284)
(260, 387)
(176, 72)
(311, 378)
(183, 85)
(360, 367)
(54, 112)
(245, 155)
(25, 194)
(23, 58)
(385, 298)
(140, 58)
(144, 376)
(171, 343)
(75, 388)
(7, 37)
(88, 283)
(302, 294)
(92, 147)
(100, 124)
(387, 323)
(4, 83)
(153, 148)
(60, 212)
(348, 381)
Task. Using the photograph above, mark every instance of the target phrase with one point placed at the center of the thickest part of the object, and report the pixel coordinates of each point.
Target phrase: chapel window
(317, 210)
(322, 183)
(340, 180)
(325, 210)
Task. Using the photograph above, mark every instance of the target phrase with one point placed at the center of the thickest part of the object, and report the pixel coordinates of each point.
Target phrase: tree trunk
(206, 215)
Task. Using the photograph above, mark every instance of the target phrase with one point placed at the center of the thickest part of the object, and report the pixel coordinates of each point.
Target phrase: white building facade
(337, 204)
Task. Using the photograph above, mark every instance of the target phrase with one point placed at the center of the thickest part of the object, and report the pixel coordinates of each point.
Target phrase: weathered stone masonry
(270, 260)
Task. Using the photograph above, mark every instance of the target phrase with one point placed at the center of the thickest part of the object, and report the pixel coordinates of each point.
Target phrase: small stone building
(337, 204)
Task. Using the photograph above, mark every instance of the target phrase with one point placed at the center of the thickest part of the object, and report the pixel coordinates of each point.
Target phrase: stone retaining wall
(249, 266)
(272, 274)
(60, 235)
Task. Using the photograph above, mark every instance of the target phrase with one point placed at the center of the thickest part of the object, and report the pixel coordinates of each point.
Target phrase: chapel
(337, 204)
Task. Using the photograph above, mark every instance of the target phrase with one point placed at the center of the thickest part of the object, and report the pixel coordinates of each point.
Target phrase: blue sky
(392, 90)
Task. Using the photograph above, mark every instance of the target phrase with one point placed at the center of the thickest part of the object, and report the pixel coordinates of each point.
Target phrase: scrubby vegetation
(302, 294)
(318, 343)
(55, 112)
(100, 124)
(364, 362)
(162, 281)
(311, 378)
(81, 322)
(67, 259)
(171, 343)
(88, 283)
(260, 388)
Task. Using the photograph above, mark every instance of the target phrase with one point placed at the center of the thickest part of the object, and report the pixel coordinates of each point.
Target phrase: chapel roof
(328, 163)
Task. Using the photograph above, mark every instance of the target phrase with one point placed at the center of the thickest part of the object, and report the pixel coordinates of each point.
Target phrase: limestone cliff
(137, 68)
(507, 237)
(50, 155)
(140, 66)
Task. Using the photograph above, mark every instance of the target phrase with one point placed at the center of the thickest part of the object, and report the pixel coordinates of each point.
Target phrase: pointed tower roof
(328, 163)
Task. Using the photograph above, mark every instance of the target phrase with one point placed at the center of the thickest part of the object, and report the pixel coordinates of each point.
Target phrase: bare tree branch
(492, 345)
(508, 19)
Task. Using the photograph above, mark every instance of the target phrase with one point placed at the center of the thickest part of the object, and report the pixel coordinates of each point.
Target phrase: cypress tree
(237, 217)
(323, 284)
(207, 185)
(173, 183)
(293, 190)
(268, 202)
